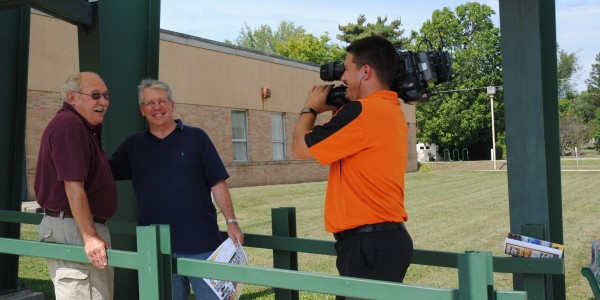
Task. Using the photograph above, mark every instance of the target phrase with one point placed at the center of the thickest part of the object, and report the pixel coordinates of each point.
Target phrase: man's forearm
(305, 124)
(80, 208)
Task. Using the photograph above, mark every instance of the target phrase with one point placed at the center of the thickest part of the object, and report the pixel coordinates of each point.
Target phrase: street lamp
(491, 91)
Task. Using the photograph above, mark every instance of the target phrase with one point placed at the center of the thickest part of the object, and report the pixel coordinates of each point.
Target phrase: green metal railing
(155, 265)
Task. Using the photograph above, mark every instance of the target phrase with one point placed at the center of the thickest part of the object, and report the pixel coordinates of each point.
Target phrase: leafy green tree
(567, 69)
(593, 83)
(361, 29)
(290, 41)
(592, 97)
(460, 117)
(310, 48)
(264, 39)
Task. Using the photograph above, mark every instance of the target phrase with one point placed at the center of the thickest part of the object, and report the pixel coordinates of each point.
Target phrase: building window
(278, 129)
(239, 128)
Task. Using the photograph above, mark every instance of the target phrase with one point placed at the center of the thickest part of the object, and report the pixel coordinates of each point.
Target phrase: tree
(460, 117)
(312, 49)
(352, 32)
(290, 41)
(567, 69)
(593, 83)
(593, 98)
(263, 39)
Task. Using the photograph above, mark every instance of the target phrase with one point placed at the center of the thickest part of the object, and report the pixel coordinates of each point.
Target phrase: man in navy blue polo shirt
(174, 169)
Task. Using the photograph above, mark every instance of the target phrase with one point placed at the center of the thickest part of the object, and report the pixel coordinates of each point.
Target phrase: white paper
(227, 252)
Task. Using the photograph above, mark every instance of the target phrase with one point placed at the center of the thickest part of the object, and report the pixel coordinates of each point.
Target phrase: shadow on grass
(264, 294)
(38, 285)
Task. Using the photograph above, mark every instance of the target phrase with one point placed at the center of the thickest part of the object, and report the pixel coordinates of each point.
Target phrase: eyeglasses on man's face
(153, 103)
(95, 95)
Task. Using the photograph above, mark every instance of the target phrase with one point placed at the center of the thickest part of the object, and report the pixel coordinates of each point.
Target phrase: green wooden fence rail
(155, 266)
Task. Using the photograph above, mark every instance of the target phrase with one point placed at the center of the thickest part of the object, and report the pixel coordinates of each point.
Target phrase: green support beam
(14, 59)
(78, 12)
(531, 103)
(284, 224)
(123, 47)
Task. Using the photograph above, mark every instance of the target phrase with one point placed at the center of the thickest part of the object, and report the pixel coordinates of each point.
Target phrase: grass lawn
(454, 210)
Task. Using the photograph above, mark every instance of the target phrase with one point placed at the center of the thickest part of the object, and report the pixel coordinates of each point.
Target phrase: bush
(425, 167)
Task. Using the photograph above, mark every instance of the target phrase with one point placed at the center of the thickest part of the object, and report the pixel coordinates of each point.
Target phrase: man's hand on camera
(316, 98)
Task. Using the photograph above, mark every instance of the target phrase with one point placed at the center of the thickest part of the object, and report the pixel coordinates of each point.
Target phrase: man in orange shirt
(366, 145)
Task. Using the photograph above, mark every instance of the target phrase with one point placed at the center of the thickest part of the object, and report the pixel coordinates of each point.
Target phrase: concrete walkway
(31, 207)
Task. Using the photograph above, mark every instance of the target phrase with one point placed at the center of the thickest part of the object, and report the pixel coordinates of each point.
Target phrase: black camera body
(415, 71)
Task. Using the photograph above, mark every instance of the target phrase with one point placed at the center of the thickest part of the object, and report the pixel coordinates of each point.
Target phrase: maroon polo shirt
(70, 149)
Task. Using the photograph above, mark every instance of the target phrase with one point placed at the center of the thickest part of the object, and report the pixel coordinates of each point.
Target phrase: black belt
(68, 214)
(368, 228)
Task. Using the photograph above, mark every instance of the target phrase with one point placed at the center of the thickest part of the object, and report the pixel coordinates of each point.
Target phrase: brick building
(217, 87)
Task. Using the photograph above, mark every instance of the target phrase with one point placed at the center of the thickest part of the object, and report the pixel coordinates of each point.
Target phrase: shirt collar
(178, 126)
(68, 107)
(386, 94)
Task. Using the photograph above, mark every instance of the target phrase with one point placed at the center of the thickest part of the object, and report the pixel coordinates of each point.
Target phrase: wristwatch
(308, 110)
(231, 221)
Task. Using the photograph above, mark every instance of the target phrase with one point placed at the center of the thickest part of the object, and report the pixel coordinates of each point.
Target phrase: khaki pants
(73, 280)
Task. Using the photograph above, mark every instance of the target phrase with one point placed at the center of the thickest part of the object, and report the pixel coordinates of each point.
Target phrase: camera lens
(332, 71)
(337, 96)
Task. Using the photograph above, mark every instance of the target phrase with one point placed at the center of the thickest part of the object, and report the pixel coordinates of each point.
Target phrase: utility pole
(491, 91)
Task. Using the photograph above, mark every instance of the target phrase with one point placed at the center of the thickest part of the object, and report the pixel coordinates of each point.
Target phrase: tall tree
(567, 70)
(593, 98)
(352, 32)
(290, 41)
(593, 83)
(310, 48)
(264, 39)
(459, 117)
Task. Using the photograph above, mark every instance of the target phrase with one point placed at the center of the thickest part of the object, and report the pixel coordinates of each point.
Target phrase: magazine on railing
(527, 239)
(227, 252)
(519, 248)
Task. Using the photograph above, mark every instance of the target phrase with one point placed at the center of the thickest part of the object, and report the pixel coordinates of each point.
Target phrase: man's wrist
(232, 220)
(309, 110)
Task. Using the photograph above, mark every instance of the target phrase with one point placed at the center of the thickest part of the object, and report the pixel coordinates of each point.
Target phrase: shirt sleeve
(342, 136)
(120, 163)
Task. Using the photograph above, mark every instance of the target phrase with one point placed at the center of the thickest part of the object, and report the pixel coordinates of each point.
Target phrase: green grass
(448, 211)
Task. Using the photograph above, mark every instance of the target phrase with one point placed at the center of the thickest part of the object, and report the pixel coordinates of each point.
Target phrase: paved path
(31, 207)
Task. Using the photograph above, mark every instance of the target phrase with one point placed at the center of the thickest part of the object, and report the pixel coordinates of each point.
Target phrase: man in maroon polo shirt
(74, 185)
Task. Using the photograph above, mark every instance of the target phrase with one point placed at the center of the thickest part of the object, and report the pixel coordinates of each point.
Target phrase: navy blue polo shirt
(172, 178)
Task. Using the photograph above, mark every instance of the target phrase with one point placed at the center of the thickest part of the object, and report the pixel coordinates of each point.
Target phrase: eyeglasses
(152, 104)
(95, 95)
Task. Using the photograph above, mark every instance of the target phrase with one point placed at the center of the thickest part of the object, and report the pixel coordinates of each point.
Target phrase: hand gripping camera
(415, 71)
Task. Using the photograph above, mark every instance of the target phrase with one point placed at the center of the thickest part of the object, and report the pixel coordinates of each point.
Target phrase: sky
(577, 21)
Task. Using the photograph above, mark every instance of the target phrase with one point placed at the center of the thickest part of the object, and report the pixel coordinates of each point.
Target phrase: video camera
(415, 70)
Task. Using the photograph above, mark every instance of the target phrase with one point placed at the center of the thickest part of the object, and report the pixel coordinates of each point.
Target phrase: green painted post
(122, 46)
(166, 263)
(531, 103)
(472, 285)
(534, 284)
(149, 263)
(14, 62)
(284, 224)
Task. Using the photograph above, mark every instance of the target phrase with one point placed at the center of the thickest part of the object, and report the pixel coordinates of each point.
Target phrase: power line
(471, 89)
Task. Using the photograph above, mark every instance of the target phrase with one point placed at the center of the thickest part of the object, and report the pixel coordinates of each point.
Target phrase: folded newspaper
(227, 252)
(523, 246)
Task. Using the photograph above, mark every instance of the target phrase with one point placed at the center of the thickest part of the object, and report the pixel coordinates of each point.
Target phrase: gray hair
(73, 84)
(153, 84)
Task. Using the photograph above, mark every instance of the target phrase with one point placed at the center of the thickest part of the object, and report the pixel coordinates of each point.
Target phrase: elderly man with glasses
(75, 187)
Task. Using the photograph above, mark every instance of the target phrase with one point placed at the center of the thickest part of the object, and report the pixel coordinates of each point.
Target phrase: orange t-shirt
(366, 145)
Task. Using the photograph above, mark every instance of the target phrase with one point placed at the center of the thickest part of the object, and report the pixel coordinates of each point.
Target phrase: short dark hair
(377, 52)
